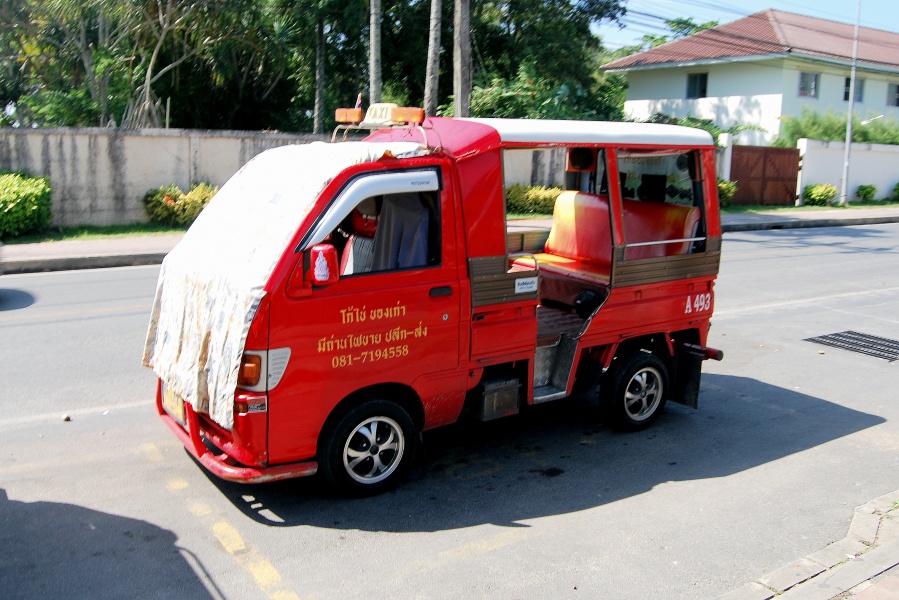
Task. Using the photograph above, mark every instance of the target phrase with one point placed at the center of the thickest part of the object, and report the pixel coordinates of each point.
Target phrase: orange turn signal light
(250, 370)
(408, 114)
(348, 115)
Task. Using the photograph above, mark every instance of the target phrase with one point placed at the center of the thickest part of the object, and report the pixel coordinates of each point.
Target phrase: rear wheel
(634, 393)
(369, 448)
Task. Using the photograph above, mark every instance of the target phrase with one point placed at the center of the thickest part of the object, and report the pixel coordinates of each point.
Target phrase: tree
(67, 59)
(374, 61)
(285, 64)
(679, 28)
(704, 124)
(831, 127)
(461, 57)
(182, 27)
(528, 97)
(554, 35)
(432, 74)
(318, 119)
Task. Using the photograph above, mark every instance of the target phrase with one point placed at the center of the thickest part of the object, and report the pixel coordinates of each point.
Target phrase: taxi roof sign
(381, 114)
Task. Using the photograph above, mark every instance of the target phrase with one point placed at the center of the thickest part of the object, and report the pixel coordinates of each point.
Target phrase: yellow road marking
(264, 573)
(175, 485)
(229, 537)
(151, 452)
(199, 509)
(481, 547)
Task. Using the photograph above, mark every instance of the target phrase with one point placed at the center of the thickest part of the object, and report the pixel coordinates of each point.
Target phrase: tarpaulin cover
(211, 283)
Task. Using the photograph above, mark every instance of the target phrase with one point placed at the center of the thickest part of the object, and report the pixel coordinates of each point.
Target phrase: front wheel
(634, 394)
(369, 448)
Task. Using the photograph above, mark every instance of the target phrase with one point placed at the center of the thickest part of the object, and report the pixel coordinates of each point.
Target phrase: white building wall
(738, 94)
(830, 94)
(754, 93)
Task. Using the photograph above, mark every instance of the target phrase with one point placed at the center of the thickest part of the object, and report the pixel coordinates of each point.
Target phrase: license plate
(174, 405)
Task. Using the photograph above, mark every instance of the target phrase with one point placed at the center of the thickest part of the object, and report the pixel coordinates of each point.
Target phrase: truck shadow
(54, 550)
(556, 459)
(11, 299)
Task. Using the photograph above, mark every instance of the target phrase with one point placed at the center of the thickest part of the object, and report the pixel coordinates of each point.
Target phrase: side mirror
(323, 265)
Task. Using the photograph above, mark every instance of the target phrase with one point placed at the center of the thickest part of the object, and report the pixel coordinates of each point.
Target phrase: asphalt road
(790, 436)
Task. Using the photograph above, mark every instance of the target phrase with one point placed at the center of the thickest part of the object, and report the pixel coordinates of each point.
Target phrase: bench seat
(578, 252)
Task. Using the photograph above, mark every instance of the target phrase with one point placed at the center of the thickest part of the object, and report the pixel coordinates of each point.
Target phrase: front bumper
(222, 465)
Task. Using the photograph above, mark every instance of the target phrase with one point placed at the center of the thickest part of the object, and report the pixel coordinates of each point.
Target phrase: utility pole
(844, 199)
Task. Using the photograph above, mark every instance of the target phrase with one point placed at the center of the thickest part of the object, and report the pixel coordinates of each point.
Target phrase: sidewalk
(864, 565)
(86, 254)
(149, 250)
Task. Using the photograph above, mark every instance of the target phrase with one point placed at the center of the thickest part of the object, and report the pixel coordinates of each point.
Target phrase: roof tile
(773, 32)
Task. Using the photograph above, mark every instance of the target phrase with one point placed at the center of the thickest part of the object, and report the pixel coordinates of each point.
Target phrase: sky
(648, 16)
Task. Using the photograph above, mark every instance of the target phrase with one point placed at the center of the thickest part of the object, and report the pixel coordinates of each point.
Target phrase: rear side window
(662, 203)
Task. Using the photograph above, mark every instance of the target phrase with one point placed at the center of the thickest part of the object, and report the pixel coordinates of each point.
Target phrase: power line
(657, 7)
(745, 42)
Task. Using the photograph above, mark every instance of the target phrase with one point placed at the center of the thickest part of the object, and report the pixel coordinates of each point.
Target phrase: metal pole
(845, 185)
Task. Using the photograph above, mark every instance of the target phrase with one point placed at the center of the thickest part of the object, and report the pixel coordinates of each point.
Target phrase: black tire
(634, 393)
(369, 448)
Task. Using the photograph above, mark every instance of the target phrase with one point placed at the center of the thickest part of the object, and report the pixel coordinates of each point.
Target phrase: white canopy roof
(537, 131)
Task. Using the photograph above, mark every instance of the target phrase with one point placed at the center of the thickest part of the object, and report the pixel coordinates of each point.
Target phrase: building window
(697, 85)
(893, 94)
(808, 84)
(859, 89)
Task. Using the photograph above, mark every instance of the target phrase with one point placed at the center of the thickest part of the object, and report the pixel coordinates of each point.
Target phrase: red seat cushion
(656, 221)
(581, 229)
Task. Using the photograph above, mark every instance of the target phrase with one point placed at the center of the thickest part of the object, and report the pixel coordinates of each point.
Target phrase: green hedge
(726, 192)
(866, 192)
(819, 195)
(169, 205)
(535, 199)
(24, 204)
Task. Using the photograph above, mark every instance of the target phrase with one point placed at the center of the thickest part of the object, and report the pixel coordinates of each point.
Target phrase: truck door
(392, 317)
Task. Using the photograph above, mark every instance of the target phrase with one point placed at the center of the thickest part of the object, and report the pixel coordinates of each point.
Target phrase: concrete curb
(72, 263)
(871, 546)
(807, 223)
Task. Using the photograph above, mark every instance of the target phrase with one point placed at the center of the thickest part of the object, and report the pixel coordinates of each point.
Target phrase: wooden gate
(765, 175)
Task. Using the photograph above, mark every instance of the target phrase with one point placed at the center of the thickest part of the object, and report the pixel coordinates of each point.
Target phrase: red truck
(336, 300)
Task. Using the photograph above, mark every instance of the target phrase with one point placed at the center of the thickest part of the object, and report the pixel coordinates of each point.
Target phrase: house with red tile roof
(761, 67)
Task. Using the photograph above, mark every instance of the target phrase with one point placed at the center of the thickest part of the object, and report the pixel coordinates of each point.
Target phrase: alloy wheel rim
(373, 450)
(643, 394)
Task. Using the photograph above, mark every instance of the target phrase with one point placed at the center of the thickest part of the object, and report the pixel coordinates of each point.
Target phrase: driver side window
(389, 232)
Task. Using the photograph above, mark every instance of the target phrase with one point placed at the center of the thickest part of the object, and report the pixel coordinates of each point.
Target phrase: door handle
(441, 291)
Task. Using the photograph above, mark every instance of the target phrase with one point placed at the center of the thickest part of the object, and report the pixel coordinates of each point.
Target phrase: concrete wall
(99, 176)
(534, 167)
(869, 164)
